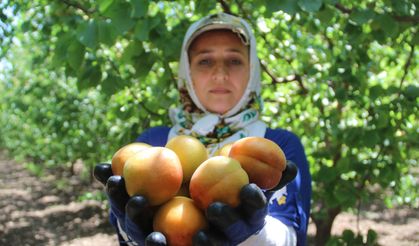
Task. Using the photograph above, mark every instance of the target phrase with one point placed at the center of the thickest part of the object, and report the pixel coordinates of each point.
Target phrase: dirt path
(34, 212)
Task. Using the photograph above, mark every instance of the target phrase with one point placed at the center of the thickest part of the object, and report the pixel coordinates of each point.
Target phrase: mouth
(219, 91)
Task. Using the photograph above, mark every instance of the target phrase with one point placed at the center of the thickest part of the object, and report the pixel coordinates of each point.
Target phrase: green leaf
(288, 6)
(371, 138)
(383, 119)
(157, 27)
(310, 5)
(172, 51)
(61, 45)
(348, 235)
(88, 34)
(3, 17)
(120, 15)
(104, 5)
(327, 174)
(331, 2)
(26, 26)
(134, 49)
(401, 7)
(372, 237)
(361, 16)
(344, 164)
(326, 15)
(112, 84)
(353, 136)
(341, 93)
(107, 32)
(388, 25)
(415, 40)
(90, 77)
(75, 54)
(376, 91)
(142, 30)
(143, 64)
(139, 8)
(412, 92)
(205, 6)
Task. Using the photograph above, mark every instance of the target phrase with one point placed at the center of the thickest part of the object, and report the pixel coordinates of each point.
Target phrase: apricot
(224, 150)
(219, 178)
(262, 159)
(155, 173)
(191, 153)
(122, 155)
(179, 220)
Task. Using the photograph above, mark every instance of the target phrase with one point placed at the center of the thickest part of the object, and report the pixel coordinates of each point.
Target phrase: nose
(220, 73)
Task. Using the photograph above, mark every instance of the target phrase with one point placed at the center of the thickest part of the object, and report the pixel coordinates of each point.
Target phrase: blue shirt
(294, 208)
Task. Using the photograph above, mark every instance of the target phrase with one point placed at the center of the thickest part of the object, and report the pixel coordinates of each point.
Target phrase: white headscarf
(240, 121)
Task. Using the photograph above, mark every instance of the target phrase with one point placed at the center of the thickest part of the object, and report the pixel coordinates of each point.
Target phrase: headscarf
(192, 118)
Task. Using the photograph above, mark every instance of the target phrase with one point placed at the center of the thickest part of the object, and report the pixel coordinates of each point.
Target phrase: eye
(204, 62)
(235, 62)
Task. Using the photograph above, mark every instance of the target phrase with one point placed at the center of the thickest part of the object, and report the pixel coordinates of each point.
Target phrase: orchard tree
(340, 74)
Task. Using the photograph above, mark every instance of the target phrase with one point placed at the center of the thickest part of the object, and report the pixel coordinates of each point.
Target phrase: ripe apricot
(122, 155)
(262, 159)
(224, 150)
(155, 173)
(191, 153)
(219, 178)
(179, 220)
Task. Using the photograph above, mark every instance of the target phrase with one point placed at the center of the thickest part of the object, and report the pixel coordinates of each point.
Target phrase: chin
(220, 108)
(218, 111)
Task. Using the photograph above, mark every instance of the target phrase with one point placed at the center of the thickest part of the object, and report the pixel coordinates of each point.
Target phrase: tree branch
(279, 80)
(77, 5)
(275, 80)
(343, 9)
(413, 19)
(225, 6)
(169, 69)
(141, 103)
(399, 18)
(407, 64)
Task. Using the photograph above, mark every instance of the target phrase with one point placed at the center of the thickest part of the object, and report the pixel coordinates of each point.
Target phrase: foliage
(342, 75)
(349, 238)
(45, 117)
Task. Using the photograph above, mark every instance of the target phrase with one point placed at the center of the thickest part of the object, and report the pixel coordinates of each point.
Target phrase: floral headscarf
(192, 118)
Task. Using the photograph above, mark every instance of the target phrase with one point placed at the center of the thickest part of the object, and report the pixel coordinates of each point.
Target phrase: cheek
(196, 75)
(241, 81)
(198, 83)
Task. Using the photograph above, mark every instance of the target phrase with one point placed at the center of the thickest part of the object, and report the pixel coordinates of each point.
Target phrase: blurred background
(79, 79)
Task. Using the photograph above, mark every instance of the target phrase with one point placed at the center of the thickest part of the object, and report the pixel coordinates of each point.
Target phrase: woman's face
(219, 65)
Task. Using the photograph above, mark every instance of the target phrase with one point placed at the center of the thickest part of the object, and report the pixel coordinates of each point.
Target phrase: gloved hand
(133, 214)
(231, 226)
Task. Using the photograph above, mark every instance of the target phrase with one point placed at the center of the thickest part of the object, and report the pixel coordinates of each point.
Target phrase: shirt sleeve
(274, 233)
(291, 205)
(155, 136)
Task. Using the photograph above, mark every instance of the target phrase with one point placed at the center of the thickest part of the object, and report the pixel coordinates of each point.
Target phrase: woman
(219, 86)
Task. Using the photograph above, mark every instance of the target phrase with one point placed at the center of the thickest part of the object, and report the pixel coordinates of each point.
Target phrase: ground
(35, 212)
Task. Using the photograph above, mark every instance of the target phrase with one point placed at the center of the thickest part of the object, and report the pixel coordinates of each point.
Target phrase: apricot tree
(340, 74)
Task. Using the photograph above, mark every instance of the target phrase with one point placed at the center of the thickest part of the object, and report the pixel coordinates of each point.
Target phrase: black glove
(231, 226)
(134, 214)
(288, 175)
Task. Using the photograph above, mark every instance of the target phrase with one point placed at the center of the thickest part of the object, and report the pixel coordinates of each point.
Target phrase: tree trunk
(324, 226)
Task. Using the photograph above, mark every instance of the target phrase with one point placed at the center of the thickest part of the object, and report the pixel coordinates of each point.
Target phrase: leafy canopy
(84, 77)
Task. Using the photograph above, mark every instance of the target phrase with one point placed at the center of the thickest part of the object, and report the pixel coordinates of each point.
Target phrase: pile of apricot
(180, 179)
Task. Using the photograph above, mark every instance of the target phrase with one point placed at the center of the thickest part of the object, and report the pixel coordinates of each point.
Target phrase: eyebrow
(206, 51)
